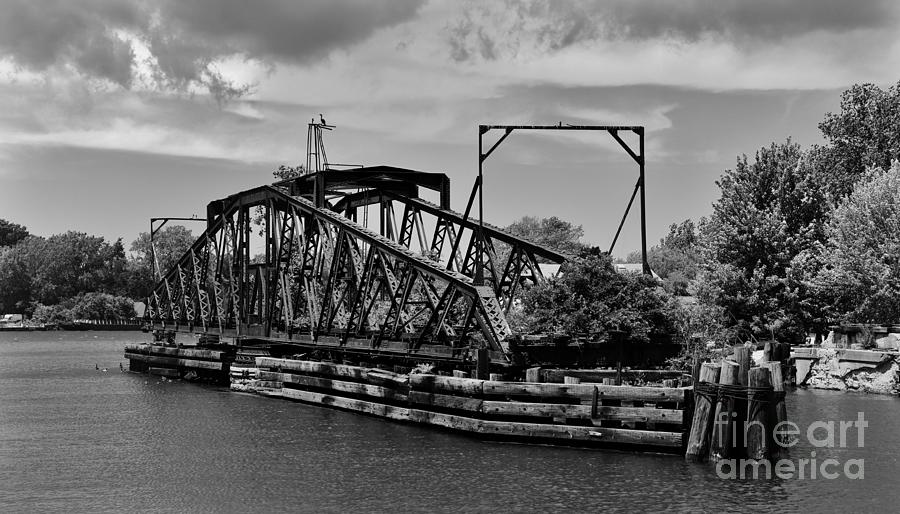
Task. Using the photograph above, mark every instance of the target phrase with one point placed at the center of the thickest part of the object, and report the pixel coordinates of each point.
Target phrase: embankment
(870, 371)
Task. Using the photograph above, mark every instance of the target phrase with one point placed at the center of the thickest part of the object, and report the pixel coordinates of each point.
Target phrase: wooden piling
(758, 427)
(742, 357)
(782, 354)
(571, 380)
(482, 364)
(695, 368)
(768, 354)
(701, 424)
(779, 409)
(533, 375)
(724, 420)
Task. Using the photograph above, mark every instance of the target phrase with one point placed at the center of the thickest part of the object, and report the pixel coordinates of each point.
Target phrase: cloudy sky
(113, 111)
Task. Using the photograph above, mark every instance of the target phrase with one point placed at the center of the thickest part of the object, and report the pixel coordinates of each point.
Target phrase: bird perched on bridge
(322, 119)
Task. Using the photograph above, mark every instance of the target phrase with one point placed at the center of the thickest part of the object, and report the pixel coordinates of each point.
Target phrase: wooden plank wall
(595, 413)
(171, 357)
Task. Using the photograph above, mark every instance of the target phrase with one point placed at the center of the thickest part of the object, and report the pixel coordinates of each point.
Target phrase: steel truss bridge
(353, 262)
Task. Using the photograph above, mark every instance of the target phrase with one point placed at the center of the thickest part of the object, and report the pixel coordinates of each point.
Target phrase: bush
(86, 306)
(52, 314)
(589, 297)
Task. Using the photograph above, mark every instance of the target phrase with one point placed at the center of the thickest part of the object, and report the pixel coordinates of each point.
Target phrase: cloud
(41, 35)
(177, 44)
(60, 115)
(283, 30)
(493, 30)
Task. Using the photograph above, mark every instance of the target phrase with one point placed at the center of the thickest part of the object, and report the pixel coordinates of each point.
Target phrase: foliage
(863, 134)
(17, 268)
(287, 172)
(11, 233)
(552, 232)
(75, 262)
(859, 269)
(786, 251)
(38, 270)
(676, 258)
(770, 211)
(52, 314)
(590, 297)
(86, 306)
(171, 243)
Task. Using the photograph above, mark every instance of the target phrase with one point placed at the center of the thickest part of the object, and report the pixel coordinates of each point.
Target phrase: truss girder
(316, 272)
(458, 242)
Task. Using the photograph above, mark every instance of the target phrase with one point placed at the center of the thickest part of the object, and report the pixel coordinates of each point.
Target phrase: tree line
(800, 239)
(79, 276)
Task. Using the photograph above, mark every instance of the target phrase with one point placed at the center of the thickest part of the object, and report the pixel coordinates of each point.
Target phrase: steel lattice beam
(322, 274)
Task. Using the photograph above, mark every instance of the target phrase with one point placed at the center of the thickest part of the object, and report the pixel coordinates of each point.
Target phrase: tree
(675, 259)
(92, 306)
(865, 133)
(770, 211)
(170, 243)
(74, 263)
(48, 271)
(590, 297)
(288, 172)
(551, 232)
(859, 275)
(767, 262)
(102, 306)
(18, 267)
(11, 233)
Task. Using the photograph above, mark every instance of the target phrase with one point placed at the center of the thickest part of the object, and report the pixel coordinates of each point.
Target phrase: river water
(75, 439)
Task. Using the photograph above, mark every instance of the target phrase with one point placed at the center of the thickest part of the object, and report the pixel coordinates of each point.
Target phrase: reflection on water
(76, 439)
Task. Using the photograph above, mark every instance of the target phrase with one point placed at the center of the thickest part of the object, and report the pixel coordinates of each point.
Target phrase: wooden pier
(184, 362)
(583, 414)
(553, 406)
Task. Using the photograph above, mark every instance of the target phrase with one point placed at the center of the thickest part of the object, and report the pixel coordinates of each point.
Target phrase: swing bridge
(354, 263)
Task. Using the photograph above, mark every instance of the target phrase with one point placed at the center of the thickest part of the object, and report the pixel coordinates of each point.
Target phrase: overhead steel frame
(613, 130)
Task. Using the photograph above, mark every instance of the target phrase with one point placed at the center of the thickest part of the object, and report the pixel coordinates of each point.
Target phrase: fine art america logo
(819, 434)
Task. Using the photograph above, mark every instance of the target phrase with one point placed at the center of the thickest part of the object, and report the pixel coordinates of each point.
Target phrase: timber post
(482, 364)
(695, 368)
(779, 409)
(704, 395)
(759, 394)
(742, 357)
(724, 419)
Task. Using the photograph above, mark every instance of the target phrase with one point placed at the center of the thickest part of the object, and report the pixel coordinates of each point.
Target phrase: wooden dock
(565, 407)
(583, 414)
(174, 362)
